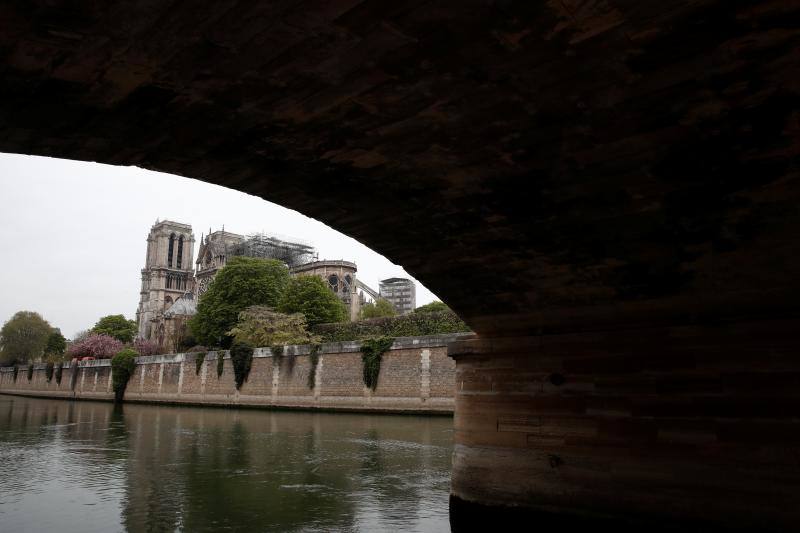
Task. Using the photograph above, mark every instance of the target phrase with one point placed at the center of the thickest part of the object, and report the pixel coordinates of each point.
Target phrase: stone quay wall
(416, 375)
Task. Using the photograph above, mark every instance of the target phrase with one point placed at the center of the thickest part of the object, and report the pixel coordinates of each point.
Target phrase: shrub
(277, 351)
(146, 347)
(242, 360)
(48, 371)
(187, 341)
(98, 346)
(30, 371)
(198, 362)
(372, 351)
(259, 325)
(122, 367)
(433, 307)
(410, 325)
(381, 308)
(197, 348)
(59, 370)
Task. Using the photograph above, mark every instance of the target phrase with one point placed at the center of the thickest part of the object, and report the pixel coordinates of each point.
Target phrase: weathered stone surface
(412, 362)
(682, 427)
(534, 163)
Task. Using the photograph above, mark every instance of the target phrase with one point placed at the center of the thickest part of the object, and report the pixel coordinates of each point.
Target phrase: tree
(24, 337)
(80, 335)
(433, 307)
(311, 296)
(98, 346)
(116, 326)
(56, 343)
(381, 308)
(243, 282)
(261, 326)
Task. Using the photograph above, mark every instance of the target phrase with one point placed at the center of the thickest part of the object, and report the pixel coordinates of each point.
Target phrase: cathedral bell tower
(167, 274)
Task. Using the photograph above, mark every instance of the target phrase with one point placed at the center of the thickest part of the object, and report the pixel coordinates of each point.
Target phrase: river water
(86, 466)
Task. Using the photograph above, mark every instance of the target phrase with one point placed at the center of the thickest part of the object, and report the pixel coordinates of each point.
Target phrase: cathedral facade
(167, 278)
(171, 287)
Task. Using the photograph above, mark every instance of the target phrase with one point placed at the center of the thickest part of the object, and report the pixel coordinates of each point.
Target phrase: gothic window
(204, 282)
(333, 281)
(170, 250)
(169, 281)
(180, 251)
(348, 283)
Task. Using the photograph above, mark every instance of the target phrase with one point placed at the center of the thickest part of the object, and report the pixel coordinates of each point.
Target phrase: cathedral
(172, 284)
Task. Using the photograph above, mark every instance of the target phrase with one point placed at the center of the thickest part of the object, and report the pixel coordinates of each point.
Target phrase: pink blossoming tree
(97, 346)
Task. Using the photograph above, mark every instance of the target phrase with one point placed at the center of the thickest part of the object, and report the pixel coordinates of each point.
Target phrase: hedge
(410, 325)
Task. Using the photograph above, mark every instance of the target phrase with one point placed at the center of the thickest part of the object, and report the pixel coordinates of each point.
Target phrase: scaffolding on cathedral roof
(292, 252)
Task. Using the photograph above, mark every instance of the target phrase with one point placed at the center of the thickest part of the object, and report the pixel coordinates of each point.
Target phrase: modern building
(400, 292)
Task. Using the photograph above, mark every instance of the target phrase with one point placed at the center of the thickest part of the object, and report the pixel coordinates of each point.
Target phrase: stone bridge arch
(605, 191)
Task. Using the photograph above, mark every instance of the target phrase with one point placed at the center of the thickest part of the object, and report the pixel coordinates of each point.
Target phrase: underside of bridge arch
(606, 191)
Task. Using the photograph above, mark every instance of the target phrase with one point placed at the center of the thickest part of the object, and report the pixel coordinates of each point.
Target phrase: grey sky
(73, 234)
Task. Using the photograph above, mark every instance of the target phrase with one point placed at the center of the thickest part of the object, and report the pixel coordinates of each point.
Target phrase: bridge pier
(691, 427)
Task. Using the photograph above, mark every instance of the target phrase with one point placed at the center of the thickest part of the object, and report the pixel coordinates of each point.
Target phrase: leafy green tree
(261, 326)
(433, 307)
(243, 282)
(311, 296)
(56, 343)
(116, 326)
(24, 337)
(381, 308)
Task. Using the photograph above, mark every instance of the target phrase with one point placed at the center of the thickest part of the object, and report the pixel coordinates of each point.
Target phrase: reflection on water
(86, 466)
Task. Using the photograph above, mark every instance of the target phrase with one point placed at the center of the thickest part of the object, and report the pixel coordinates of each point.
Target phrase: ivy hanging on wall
(48, 371)
(198, 362)
(220, 364)
(242, 360)
(123, 365)
(371, 352)
(58, 371)
(16, 371)
(30, 371)
(277, 351)
(313, 357)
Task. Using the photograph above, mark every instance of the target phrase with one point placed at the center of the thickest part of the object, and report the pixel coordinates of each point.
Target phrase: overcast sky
(73, 235)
